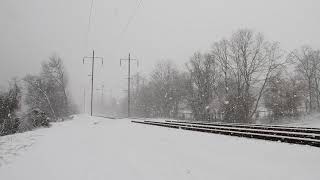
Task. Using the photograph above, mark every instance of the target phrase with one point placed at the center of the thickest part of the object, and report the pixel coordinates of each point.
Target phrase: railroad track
(256, 126)
(294, 135)
(117, 117)
(107, 117)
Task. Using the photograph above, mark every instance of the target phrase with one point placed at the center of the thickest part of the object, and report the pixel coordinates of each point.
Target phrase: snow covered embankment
(14, 145)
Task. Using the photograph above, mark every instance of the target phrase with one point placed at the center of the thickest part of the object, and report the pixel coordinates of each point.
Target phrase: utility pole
(84, 100)
(102, 90)
(129, 78)
(92, 70)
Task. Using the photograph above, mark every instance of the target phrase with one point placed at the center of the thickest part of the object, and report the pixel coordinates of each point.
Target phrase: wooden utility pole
(102, 92)
(129, 78)
(92, 71)
(84, 100)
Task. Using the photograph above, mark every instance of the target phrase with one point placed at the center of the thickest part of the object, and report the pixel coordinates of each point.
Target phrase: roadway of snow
(99, 148)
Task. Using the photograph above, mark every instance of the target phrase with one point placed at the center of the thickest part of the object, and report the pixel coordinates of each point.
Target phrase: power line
(124, 29)
(132, 16)
(140, 2)
(89, 23)
(90, 14)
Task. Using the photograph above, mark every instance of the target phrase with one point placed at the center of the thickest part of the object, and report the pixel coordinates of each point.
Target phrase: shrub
(9, 126)
(33, 119)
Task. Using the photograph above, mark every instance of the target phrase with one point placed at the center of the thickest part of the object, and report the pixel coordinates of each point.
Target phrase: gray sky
(31, 30)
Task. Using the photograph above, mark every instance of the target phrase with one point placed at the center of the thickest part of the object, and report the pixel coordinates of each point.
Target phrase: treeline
(36, 100)
(240, 79)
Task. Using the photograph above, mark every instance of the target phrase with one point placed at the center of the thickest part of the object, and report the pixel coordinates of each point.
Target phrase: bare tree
(139, 95)
(283, 96)
(163, 80)
(54, 71)
(203, 72)
(249, 61)
(316, 62)
(160, 95)
(37, 96)
(48, 90)
(221, 52)
(307, 65)
(145, 104)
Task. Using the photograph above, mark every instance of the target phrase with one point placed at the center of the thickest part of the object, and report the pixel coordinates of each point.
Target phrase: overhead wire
(132, 16)
(125, 28)
(89, 24)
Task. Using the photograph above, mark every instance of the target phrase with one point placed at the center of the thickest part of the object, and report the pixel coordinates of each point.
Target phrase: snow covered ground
(312, 120)
(99, 148)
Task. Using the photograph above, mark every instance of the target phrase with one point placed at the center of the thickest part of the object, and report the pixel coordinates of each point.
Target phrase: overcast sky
(32, 30)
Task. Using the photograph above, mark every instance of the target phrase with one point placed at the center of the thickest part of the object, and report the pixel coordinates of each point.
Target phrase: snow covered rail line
(256, 126)
(279, 132)
(287, 136)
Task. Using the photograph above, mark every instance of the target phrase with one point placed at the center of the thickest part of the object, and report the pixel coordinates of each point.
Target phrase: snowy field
(99, 148)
